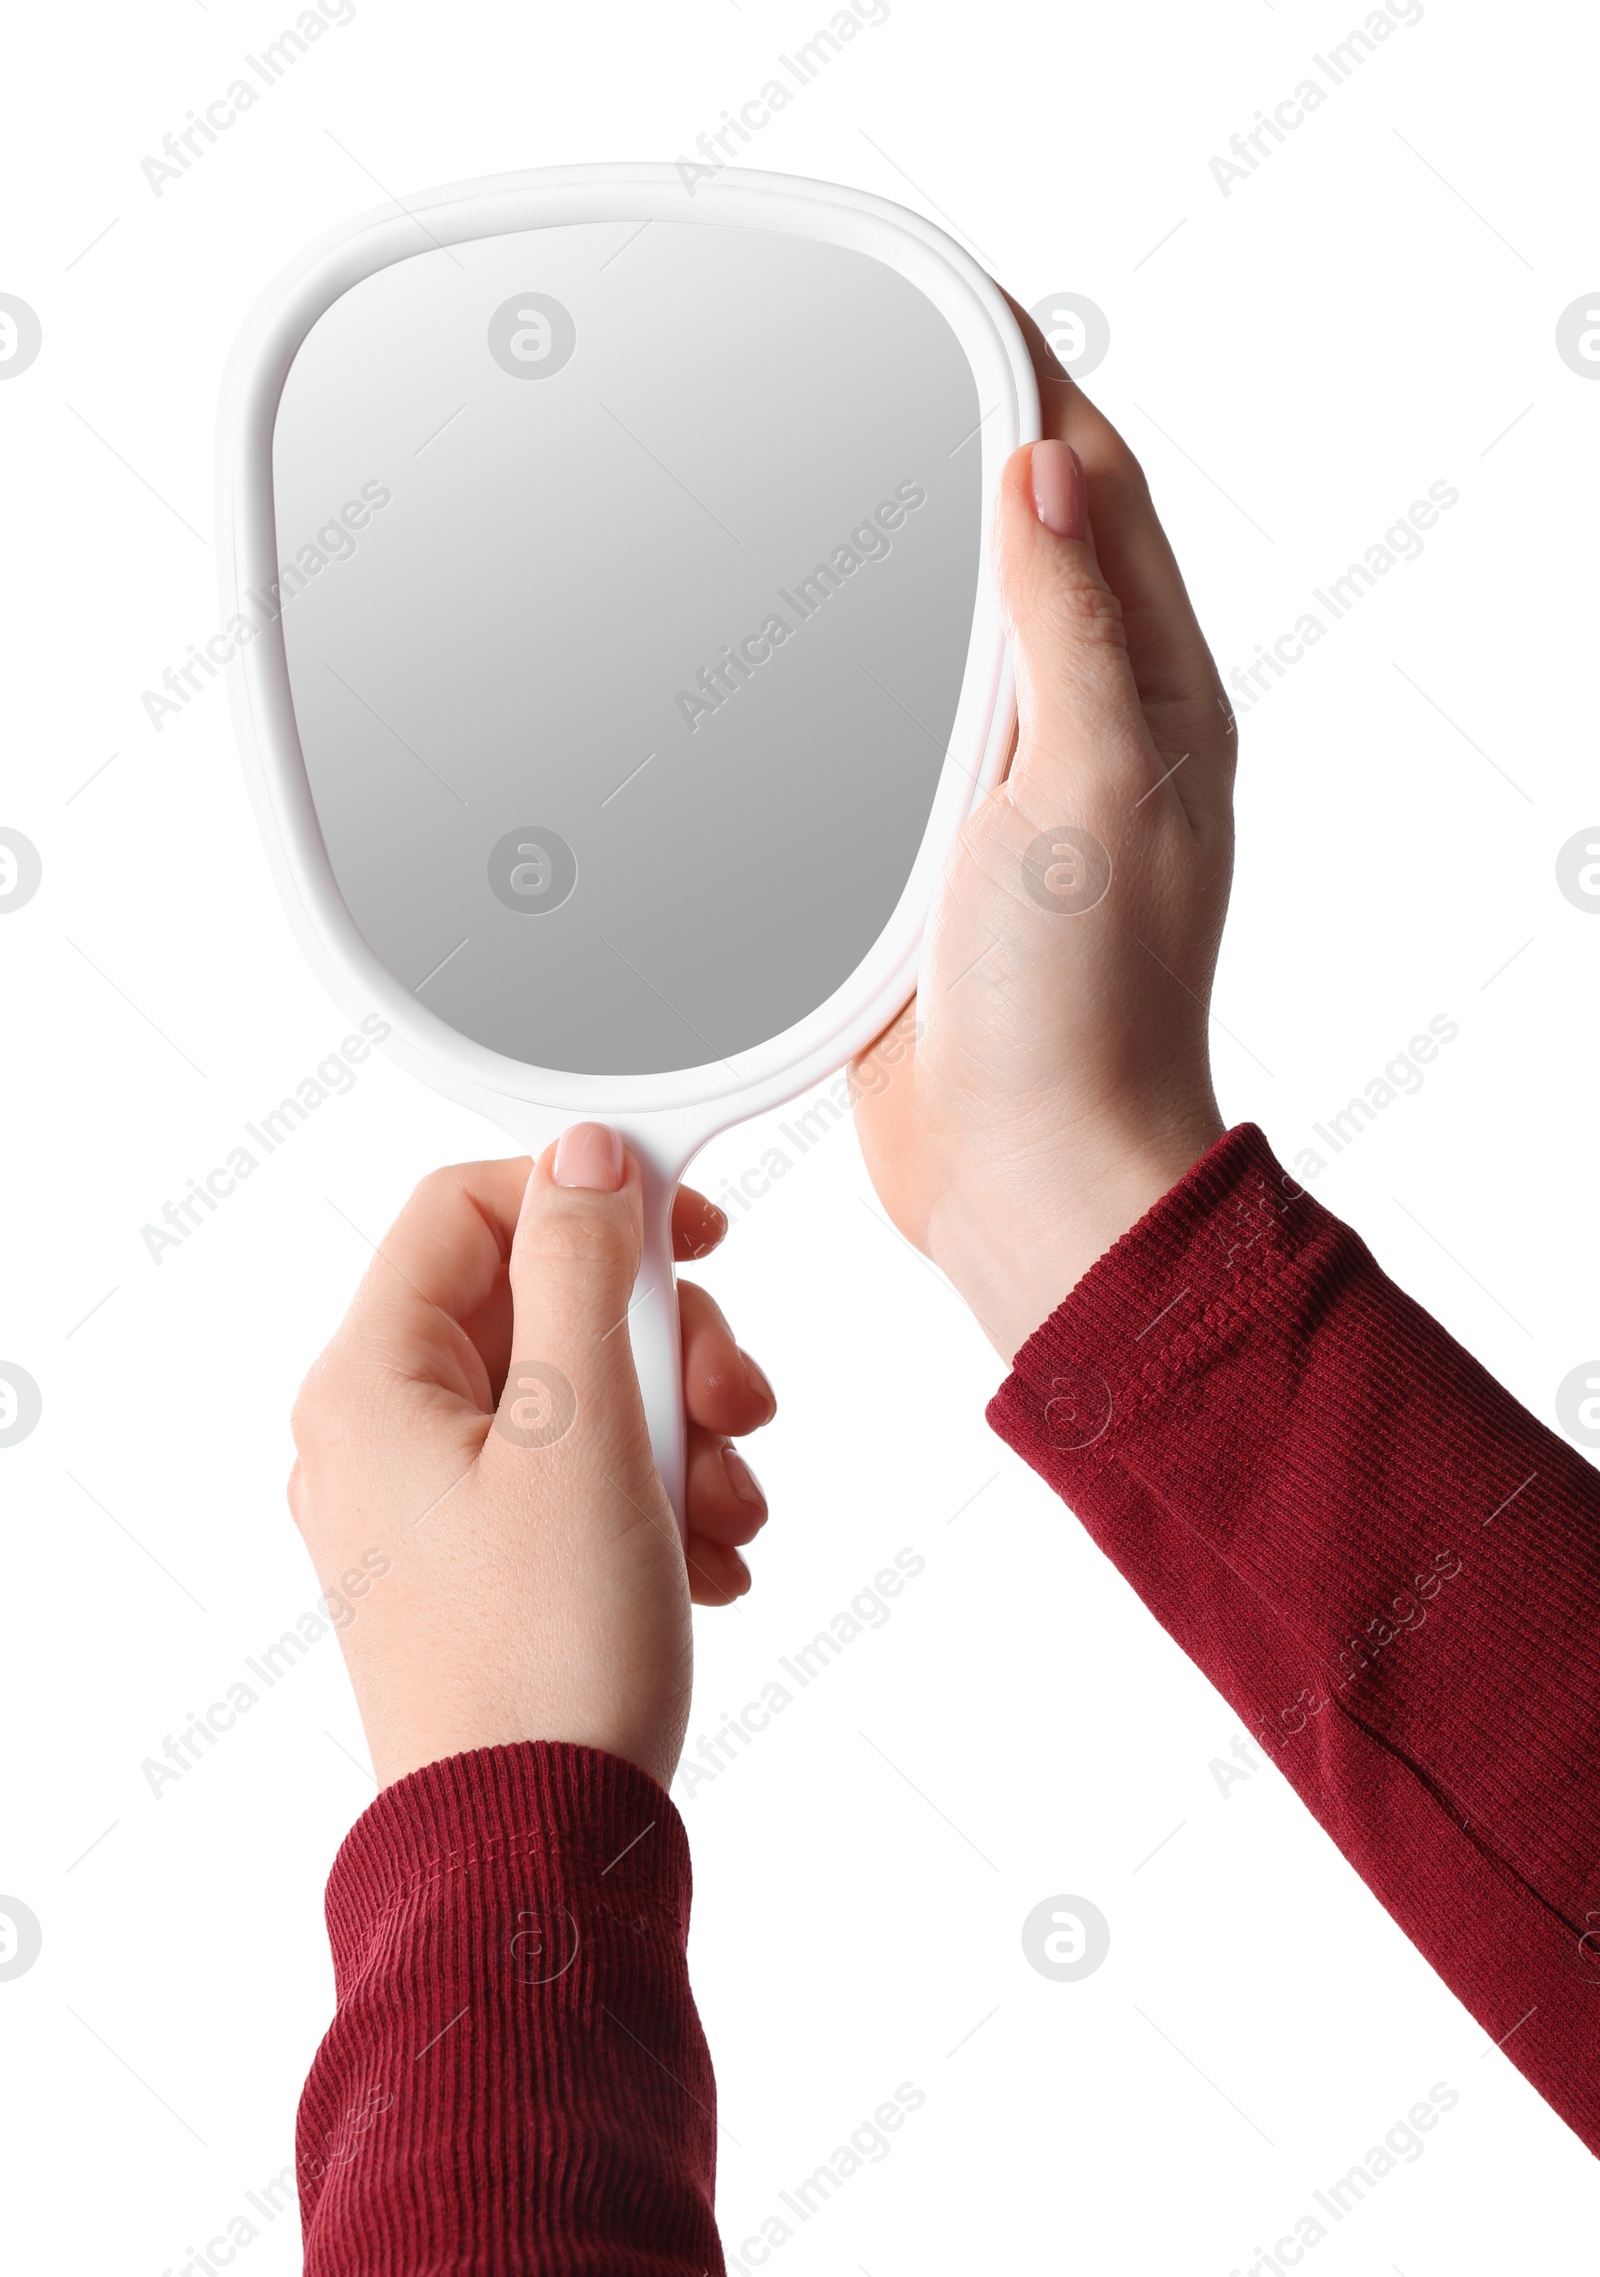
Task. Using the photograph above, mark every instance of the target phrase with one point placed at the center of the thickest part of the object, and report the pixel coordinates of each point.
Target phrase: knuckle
(1089, 615)
(303, 1416)
(1120, 471)
(1132, 471)
(316, 1406)
(434, 1187)
(593, 1238)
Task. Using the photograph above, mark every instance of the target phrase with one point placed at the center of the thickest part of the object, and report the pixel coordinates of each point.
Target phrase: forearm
(515, 2076)
(1389, 1568)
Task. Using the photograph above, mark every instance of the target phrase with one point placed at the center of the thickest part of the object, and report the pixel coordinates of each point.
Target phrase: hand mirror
(616, 653)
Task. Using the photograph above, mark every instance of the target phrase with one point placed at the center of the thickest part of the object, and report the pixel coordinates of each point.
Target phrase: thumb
(574, 1259)
(1082, 741)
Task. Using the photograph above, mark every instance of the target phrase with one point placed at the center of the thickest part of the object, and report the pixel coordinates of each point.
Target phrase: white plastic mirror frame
(664, 1118)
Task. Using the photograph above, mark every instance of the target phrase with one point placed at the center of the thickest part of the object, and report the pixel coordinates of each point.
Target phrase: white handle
(657, 1344)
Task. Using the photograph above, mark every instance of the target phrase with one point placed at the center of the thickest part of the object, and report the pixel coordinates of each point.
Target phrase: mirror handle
(654, 1331)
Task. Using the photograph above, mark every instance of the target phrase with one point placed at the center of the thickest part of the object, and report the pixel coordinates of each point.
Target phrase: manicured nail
(742, 1478)
(756, 1380)
(589, 1155)
(1059, 492)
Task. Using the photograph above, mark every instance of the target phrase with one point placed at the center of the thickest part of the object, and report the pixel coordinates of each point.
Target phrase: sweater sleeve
(515, 2077)
(1386, 1565)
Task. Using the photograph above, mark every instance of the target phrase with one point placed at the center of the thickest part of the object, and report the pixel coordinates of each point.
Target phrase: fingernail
(756, 1380)
(742, 1478)
(1059, 491)
(589, 1155)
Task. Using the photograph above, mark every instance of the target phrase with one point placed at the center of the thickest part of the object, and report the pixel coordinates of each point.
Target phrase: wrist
(1016, 1245)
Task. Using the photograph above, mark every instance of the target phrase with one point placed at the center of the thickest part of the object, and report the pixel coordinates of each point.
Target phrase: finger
(697, 1228)
(718, 1575)
(723, 1388)
(574, 1260)
(1083, 749)
(437, 1276)
(726, 1500)
(697, 1224)
(1172, 664)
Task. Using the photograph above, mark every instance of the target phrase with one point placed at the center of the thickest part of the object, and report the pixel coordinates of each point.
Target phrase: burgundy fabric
(515, 2079)
(1388, 1568)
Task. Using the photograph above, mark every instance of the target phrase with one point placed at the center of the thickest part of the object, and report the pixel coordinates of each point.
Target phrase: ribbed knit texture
(1386, 1565)
(515, 2079)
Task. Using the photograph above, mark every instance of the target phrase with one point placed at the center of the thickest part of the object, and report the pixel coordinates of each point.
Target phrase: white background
(1371, 311)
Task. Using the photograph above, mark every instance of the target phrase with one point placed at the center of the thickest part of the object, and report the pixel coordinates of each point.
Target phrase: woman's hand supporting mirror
(1060, 1078)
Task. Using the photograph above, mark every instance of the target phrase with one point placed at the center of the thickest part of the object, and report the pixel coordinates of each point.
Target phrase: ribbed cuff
(1191, 1274)
(515, 2076)
(575, 1808)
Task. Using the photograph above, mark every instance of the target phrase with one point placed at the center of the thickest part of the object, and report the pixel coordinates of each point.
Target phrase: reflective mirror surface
(627, 578)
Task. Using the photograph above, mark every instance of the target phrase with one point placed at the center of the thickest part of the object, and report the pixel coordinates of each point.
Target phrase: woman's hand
(1052, 1079)
(498, 1551)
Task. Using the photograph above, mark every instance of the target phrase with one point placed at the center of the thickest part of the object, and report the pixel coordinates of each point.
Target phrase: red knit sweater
(1385, 1565)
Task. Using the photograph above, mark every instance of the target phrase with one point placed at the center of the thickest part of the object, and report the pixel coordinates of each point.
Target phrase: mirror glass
(627, 576)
